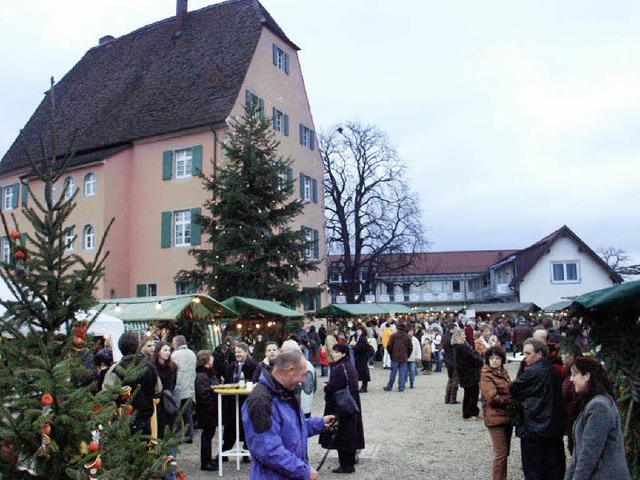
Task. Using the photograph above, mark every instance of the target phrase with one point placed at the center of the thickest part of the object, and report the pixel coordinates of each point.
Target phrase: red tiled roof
(441, 263)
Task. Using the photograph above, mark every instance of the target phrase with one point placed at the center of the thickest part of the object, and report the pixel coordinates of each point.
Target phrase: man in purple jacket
(276, 430)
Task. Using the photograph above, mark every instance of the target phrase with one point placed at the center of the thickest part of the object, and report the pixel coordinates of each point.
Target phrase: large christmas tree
(252, 249)
(53, 422)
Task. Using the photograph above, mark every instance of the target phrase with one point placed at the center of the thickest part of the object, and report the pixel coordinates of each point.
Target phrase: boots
(363, 389)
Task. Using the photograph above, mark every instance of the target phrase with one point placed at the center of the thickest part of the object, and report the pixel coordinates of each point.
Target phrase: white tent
(103, 326)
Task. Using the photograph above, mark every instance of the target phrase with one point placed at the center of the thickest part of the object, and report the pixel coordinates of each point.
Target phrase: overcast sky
(515, 118)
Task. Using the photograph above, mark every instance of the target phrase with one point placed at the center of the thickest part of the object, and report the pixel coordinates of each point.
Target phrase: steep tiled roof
(152, 81)
(442, 263)
(528, 257)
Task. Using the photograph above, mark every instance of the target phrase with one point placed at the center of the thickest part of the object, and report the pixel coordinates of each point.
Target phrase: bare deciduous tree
(370, 210)
(618, 260)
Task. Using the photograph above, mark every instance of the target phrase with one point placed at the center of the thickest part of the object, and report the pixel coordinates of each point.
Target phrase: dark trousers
(187, 417)
(347, 459)
(451, 393)
(542, 458)
(470, 401)
(208, 431)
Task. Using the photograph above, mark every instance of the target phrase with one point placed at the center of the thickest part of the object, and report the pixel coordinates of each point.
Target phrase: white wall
(538, 288)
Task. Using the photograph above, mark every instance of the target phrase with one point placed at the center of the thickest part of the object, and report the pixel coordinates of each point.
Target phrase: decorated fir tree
(252, 249)
(54, 424)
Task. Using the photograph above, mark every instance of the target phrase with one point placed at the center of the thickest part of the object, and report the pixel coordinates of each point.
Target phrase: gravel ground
(409, 435)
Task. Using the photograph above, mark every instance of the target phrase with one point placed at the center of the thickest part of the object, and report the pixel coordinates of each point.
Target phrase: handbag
(171, 401)
(343, 401)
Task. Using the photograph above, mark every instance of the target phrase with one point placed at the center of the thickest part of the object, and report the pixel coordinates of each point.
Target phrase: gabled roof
(151, 81)
(528, 257)
(443, 263)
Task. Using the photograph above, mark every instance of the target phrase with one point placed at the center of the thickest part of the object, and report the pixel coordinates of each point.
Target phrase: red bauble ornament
(46, 429)
(47, 400)
(96, 408)
(19, 255)
(78, 341)
(14, 235)
(81, 330)
(93, 446)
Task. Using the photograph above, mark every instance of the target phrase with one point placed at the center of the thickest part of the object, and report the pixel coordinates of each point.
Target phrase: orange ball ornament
(46, 429)
(78, 341)
(47, 400)
(93, 446)
(14, 235)
(19, 255)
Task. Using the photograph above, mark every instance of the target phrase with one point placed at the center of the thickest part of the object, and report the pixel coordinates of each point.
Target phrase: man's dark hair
(498, 352)
(341, 348)
(128, 343)
(538, 346)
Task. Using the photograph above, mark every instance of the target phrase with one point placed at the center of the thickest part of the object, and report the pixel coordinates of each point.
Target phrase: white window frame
(565, 279)
(69, 240)
(278, 121)
(280, 61)
(88, 237)
(183, 160)
(307, 188)
(69, 187)
(7, 203)
(154, 287)
(335, 277)
(306, 137)
(6, 249)
(89, 184)
(182, 228)
(308, 235)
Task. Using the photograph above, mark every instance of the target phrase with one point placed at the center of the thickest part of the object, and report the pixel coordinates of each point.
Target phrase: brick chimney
(181, 13)
(105, 39)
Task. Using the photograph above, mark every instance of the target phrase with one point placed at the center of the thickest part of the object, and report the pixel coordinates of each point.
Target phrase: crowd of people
(556, 392)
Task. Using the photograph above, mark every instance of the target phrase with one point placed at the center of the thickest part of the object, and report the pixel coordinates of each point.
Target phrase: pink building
(151, 108)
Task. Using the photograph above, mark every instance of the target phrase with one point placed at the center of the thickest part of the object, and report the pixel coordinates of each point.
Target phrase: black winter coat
(350, 434)
(146, 379)
(539, 391)
(362, 359)
(206, 399)
(468, 365)
(168, 377)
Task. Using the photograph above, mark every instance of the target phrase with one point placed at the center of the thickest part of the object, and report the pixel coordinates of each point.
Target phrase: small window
(183, 159)
(565, 272)
(307, 137)
(152, 290)
(182, 228)
(335, 277)
(456, 286)
(280, 59)
(280, 122)
(406, 291)
(308, 234)
(69, 187)
(6, 249)
(89, 184)
(88, 237)
(8, 198)
(306, 189)
(255, 104)
(68, 240)
(181, 288)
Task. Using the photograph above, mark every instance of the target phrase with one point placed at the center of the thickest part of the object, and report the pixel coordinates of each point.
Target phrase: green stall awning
(558, 306)
(503, 307)
(362, 309)
(140, 311)
(253, 307)
(623, 298)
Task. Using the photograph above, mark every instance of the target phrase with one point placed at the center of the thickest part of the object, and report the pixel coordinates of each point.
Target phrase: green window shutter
(2, 198)
(196, 160)
(289, 174)
(14, 200)
(318, 300)
(316, 244)
(314, 186)
(301, 134)
(286, 125)
(275, 114)
(165, 234)
(195, 226)
(248, 98)
(312, 139)
(275, 55)
(23, 239)
(25, 193)
(141, 290)
(261, 107)
(286, 63)
(167, 165)
(302, 175)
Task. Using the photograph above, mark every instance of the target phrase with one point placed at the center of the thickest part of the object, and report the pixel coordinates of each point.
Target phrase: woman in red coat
(494, 385)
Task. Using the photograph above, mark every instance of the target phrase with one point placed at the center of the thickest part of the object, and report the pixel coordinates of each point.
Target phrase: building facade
(558, 267)
(152, 108)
